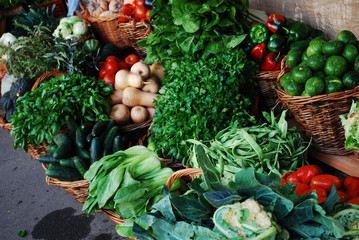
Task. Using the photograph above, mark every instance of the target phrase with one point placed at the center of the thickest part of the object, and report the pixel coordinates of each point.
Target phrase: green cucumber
(81, 165)
(83, 153)
(51, 148)
(89, 137)
(81, 138)
(99, 127)
(63, 173)
(67, 162)
(120, 142)
(108, 143)
(86, 127)
(65, 147)
(109, 125)
(96, 150)
(48, 158)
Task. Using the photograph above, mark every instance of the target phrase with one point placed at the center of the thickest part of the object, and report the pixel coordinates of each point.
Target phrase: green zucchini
(108, 143)
(65, 147)
(120, 142)
(86, 127)
(81, 141)
(63, 173)
(89, 137)
(51, 148)
(48, 158)
(81, 165)
(96, 150)
(99, 127)
(67, 162)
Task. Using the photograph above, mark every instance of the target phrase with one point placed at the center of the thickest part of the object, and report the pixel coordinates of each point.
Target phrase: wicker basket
(187, 174)
(266, 87)
(319, 116)
(108, 29)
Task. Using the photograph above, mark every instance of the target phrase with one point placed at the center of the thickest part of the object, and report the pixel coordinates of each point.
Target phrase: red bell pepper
(300, 188)
(275, 23)
(271, 62)
(351, 186)
(307, 172)
(258, 52)
(326, 181)
(354, 201)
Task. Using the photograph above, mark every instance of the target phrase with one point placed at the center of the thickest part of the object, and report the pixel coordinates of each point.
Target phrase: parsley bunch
(200, 98)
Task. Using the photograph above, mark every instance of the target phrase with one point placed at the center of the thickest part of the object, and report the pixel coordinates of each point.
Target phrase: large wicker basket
(108, 29)
(319, 116)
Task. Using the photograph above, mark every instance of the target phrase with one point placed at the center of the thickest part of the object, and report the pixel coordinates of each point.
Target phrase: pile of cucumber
(72, 153)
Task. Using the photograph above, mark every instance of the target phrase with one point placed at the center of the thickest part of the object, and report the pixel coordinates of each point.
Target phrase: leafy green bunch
(41, 113)
(195, 27)
(27, 55)
(200, 98)
(32, 17)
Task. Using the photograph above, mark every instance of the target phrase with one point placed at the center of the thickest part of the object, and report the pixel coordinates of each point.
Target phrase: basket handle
(192, 172)
(45, 75)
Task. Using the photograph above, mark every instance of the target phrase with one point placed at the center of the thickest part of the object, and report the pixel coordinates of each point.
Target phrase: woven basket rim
(45, 75)
(192, 172)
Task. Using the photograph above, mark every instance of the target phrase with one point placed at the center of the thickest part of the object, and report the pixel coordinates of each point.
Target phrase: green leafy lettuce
(350, 122)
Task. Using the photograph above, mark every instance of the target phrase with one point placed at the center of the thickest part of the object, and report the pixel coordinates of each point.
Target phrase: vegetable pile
(351, 127)
(126, 182)
(268, 147)
(323, 67)
(271, 40)
(85, 144)
(263, 209)
(55, 100)
(310, 177)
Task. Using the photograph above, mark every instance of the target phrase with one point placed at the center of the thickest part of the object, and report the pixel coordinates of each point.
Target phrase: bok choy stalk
(268, 147)
(126, 182)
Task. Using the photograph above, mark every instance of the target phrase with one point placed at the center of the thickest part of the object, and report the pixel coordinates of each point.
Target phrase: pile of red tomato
(310, 177)
(113, 64)
(136, 11)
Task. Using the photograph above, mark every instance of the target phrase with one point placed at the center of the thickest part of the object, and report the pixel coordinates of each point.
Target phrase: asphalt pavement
(41, 211)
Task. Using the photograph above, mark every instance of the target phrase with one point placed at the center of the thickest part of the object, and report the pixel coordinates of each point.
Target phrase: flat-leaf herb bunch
(40, 114)
(200, 98)
(195, 27)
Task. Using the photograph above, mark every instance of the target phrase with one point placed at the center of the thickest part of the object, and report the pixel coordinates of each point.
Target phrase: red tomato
(112, 67)
(307, 172)
(138, 3)
(293, 178)
(140, 12)
(301, 187)
(112, 59)
(343, 196)
(321, 193)
(351, 186)
(123, 19)
(131, 59)
(354, 201)
(326, 182)
(127, 9)
(109, 78)
(123, 65)
(102, 72)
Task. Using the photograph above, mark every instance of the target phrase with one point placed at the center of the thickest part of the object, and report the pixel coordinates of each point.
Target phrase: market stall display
(159, 129)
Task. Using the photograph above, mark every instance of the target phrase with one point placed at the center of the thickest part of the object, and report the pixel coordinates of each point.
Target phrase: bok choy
(126, 182)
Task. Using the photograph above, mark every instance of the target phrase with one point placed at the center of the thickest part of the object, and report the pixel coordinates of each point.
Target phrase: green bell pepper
(276, 43)
(259, 33)
(298, 31)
